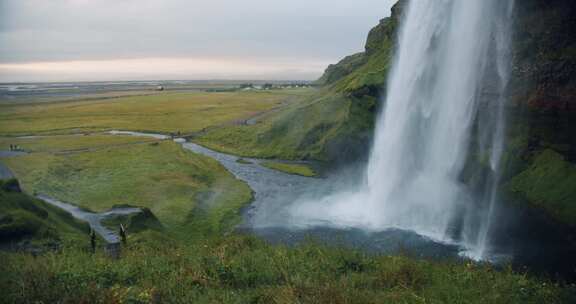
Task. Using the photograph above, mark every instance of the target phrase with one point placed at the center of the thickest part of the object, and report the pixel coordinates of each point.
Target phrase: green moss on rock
(24, 219)
(549, 183)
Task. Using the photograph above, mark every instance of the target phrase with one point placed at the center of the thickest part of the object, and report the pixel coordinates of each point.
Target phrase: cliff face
(358, 82)
(541, 147)
(542, 117)
(364, 74)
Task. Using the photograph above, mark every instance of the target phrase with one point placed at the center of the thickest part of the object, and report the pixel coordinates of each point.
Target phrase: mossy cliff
(542, 114)
(542, 118)
(31, 225)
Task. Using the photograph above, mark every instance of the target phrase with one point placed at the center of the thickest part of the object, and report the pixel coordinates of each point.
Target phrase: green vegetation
(181, 249)
(333, 124)
(240, 269)
(167, 112)
(280, 135)
(549, 183)
(298, 169)
(162, 177)
(134, 222)
(25, 221)
(68, 143)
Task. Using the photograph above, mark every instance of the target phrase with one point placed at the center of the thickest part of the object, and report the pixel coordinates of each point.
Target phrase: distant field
(70, 143)
(166, 112)
(161, 176)
(301, 130)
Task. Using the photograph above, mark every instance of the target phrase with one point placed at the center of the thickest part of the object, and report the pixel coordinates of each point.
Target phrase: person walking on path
(93, 240)
(123, 234)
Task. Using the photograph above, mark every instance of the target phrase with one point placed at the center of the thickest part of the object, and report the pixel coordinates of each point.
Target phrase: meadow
(97, 172)
(186, 249)
(167, 112)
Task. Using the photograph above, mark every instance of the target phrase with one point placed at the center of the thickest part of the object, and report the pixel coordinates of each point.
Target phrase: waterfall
(443, 113)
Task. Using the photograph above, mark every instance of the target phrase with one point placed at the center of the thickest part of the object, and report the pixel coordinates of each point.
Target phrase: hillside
(542, 116)
(336, 123)
(29, 224)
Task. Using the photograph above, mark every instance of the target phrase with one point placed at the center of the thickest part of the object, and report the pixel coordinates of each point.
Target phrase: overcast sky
(64, 40)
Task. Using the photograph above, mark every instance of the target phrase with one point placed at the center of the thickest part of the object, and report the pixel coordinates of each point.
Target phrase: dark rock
(10, 185)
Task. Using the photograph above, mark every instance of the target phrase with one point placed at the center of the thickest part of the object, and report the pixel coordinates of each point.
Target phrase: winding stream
(275, 193)
(530, 239)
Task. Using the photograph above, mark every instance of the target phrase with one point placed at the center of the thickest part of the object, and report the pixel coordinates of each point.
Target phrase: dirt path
(93, 219)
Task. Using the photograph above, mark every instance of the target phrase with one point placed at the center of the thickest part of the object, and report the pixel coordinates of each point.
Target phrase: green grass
(239, 269)
(333, 124)
(163, 177)
(71, 143)
(23, 218)
(166, 112)
(297, 169)
(549, 183)
(302, 130)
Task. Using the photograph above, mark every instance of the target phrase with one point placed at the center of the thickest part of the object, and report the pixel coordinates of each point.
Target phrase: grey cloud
(60, 30)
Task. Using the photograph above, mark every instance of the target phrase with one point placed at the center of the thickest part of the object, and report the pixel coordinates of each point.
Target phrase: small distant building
(160, 88)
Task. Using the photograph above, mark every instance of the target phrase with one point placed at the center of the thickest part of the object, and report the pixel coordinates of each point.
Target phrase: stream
(269, 216)
(531, 240)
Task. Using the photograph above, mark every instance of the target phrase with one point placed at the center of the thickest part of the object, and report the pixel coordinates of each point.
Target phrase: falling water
(443, 113)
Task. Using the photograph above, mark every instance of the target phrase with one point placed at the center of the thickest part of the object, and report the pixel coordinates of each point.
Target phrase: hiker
(11, 147)
(123, 234)
(179, 133)
(93, 240)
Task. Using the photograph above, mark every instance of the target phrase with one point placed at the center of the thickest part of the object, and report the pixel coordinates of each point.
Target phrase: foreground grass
(167, 112)
(238, 269)
(211, 268)
(297, 169)
(159, 175)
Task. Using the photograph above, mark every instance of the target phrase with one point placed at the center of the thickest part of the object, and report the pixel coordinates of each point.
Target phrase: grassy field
(167, 112)
(238, 269)
(297, 169)
(300, 131)
(70, 143)
(116, 170)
